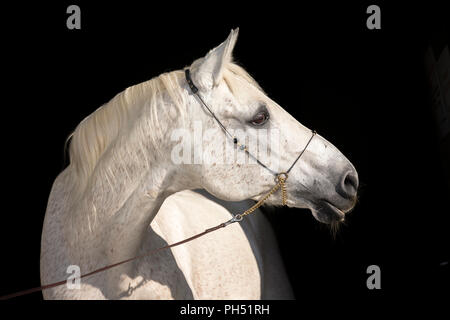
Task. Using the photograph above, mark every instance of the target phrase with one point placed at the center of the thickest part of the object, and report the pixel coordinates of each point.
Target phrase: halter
(280, 178)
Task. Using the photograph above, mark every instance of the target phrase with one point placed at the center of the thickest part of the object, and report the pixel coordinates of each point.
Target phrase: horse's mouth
(327, 213)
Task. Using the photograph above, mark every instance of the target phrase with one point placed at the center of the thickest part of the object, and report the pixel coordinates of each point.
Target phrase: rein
(280, 179)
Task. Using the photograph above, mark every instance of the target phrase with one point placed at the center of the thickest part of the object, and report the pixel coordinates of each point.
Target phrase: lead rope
(280, 179)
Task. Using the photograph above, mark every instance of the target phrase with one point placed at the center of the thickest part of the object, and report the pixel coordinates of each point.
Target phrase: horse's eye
(260, 118)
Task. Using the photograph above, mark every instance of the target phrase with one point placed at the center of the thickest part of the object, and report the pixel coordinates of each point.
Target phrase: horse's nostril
(350, 181)
(349, 185)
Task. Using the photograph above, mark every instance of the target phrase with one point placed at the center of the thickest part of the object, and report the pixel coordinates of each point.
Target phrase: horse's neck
(123, 196)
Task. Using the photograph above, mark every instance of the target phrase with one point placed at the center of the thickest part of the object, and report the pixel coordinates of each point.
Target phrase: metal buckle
(236, 218)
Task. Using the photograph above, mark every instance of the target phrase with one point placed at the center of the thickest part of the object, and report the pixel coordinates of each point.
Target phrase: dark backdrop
(364, 90)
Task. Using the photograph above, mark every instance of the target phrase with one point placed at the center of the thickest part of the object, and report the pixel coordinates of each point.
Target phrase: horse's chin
(327, 213)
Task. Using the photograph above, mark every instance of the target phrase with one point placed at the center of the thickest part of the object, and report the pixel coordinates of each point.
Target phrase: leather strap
(59, 283)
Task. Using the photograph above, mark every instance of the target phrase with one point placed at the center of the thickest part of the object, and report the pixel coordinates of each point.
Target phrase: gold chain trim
(281, 178)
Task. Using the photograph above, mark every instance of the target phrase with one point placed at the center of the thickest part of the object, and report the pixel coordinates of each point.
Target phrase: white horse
(103, 207)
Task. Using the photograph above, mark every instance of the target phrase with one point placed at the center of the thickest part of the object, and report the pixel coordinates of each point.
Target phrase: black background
(364, 90)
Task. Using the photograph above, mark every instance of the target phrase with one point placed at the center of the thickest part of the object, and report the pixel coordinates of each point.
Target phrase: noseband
(280, 178)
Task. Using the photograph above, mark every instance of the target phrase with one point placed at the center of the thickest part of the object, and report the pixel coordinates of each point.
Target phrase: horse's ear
(207, 71)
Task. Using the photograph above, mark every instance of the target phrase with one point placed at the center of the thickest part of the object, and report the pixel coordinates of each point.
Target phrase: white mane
(97, 132)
